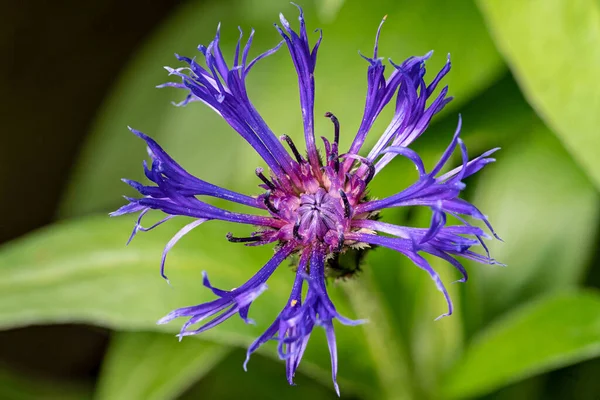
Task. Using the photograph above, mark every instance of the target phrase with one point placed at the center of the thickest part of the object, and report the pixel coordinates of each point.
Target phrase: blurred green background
(78, 308)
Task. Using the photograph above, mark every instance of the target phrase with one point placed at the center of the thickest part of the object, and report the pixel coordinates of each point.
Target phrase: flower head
(314, 205)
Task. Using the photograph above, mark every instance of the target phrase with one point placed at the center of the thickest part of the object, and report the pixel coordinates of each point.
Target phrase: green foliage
(553, 48)
(557, 330)
(149, 366)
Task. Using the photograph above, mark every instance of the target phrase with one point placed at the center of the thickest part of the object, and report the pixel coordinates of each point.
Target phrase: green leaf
(17, 386)
(152, 366)
(550, 333)
(204, 144)
(81, 271)
(553, 48)
(546, 209)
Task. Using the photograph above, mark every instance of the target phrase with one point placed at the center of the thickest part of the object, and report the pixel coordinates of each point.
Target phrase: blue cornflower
(313, 206)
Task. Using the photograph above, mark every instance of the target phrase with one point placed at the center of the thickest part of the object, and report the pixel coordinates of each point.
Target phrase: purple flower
(314, 206)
